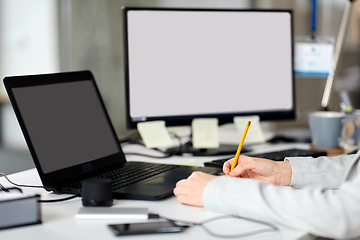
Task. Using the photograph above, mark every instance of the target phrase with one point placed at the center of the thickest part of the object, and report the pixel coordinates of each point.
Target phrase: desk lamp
(335, 60)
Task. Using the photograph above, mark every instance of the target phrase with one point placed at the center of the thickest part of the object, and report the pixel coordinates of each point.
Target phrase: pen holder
(350, 133)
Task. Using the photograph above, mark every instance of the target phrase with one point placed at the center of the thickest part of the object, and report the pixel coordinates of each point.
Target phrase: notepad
(96, 213)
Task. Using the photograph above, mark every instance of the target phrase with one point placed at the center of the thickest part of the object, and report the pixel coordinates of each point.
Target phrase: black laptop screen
(52, 113)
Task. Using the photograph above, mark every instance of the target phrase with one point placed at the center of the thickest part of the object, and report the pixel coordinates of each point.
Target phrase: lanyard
(313, 20)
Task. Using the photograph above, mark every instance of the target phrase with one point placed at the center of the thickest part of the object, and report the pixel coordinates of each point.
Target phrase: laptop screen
(66, 123)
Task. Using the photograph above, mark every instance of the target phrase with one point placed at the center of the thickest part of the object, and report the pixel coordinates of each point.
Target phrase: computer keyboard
(131, 173)
(276, 156)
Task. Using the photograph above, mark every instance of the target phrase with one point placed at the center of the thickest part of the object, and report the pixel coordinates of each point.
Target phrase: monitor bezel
(222, 118)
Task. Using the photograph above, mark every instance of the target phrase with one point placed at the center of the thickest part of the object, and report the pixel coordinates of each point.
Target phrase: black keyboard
(276, 156)
(132, 172)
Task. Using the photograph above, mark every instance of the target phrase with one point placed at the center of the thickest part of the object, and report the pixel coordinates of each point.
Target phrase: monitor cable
(136, 140)
(7, 190)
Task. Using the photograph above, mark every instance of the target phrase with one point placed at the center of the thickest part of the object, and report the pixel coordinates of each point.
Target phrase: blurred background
(45, 36)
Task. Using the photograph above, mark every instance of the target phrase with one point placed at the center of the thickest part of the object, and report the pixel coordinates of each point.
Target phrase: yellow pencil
(240, 145)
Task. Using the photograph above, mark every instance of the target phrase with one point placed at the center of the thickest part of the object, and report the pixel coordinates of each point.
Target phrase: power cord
(271, 228)
(59, 200)
(20, 185)
(7, 190)
(165, 154)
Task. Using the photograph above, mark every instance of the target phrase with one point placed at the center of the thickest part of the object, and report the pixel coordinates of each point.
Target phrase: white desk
(59, 218)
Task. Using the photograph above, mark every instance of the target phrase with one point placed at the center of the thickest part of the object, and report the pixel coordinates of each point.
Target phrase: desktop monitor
(182, 64)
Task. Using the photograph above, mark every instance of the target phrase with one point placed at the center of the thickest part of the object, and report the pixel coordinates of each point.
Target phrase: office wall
(28, 45)
(309, 90)
(95, 37)
(91, 38)
(29, 37)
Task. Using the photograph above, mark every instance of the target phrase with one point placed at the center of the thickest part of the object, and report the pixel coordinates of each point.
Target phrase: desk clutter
(205, 132)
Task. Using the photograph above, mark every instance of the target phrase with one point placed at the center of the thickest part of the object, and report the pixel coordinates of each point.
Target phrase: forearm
(314, 210)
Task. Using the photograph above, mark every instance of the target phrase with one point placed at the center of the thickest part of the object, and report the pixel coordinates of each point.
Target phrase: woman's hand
(189, 191)
(278, 173)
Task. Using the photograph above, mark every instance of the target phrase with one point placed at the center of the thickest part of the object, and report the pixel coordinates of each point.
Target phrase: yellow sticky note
(154, 134)
(255, 133)
(205, 133)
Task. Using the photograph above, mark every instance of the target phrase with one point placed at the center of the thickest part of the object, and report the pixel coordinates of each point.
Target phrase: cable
(40, 201)
(59, 200)
(131, 138)
(7, 190)
(18, 185)
(166, 155)
(271, 228)
(2, 187)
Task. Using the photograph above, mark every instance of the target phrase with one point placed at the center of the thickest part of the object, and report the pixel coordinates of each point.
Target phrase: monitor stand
(187, 149)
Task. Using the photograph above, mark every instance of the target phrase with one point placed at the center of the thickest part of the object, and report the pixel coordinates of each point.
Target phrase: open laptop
(71, 138)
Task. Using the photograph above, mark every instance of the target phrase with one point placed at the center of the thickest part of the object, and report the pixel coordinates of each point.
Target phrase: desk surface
(59, 220)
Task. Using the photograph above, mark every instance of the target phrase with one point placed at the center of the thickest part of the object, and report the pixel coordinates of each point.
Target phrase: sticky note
(255, 133)
(154, 134)
(205, 133)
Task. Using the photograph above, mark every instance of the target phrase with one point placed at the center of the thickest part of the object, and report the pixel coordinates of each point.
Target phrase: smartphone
(146, 228)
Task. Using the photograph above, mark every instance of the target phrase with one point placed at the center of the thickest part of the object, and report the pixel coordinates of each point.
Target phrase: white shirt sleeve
(314, 209)
(327, 172)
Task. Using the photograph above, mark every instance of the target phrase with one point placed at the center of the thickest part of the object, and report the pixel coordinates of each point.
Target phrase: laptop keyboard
(131, 173)
(276, 156)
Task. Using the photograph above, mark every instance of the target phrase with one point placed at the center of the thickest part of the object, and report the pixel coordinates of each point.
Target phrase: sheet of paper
(205, 133)
(255, 133)
(154, 134)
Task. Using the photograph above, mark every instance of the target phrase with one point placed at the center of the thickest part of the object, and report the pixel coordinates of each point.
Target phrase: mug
(325, 128)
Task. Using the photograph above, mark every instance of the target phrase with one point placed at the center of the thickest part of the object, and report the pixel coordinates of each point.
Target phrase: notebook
(70, 137)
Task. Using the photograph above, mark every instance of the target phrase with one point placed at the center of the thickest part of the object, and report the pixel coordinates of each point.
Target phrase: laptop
(70, 137)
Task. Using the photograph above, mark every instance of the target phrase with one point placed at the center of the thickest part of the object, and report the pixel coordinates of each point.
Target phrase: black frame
(74, 172)
(223, 118)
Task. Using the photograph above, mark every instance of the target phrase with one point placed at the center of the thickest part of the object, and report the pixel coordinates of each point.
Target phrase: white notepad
(97, 213)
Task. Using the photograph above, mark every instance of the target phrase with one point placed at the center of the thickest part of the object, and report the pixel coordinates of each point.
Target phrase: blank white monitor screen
(187, 63)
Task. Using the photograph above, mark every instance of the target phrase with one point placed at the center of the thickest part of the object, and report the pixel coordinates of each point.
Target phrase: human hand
(278, 173)
(189, 191)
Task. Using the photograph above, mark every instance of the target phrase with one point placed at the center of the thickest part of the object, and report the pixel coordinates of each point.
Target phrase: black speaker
(97, 192)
